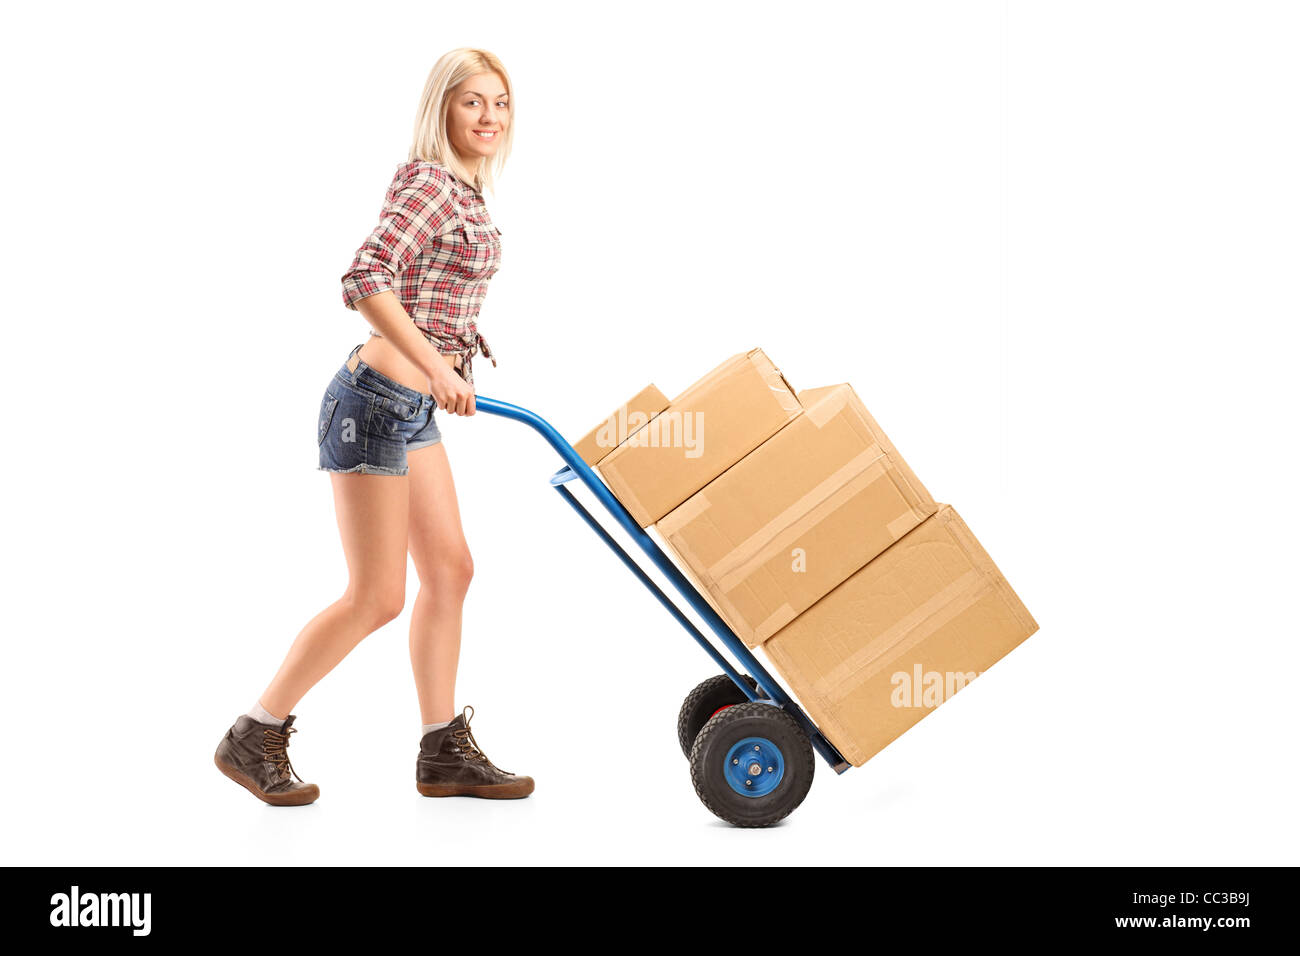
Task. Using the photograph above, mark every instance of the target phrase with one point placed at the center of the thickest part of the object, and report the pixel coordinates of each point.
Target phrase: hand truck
(749, 744)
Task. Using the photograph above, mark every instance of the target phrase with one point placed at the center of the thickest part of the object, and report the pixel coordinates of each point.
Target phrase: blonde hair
(431, 142)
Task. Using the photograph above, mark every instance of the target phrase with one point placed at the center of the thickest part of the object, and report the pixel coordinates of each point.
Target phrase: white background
(1053, 247)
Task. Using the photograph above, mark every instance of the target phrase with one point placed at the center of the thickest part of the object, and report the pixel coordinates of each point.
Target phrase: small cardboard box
(888, 645)
(703, 432)
(797, 515)
(620, 423)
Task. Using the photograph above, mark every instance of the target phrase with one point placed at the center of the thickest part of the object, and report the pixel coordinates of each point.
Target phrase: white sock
(425, 728)
(264, 716)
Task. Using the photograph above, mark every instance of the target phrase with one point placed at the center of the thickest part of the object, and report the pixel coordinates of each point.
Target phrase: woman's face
(477, 117)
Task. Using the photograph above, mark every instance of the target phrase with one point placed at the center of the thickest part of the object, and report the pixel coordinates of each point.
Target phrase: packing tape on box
(784, 543)
(623, 493)
(806, 511)
(723, 608)
(785, 614)
(684, 513)
(688, 560)
(712, 376)
(697, 504)
(908, 477)
(958, 528)
(906, 633)
(903, 524)
(785, 396)
(823, 410)
(773, 623)
(821, 711)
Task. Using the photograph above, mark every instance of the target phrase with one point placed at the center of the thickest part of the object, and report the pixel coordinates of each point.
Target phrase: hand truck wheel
(707, 699)
(752, 764)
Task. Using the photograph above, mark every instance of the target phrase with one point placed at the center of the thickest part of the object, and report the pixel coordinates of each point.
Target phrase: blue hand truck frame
(575, 468)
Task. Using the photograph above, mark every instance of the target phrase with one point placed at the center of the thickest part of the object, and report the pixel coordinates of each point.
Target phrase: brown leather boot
(255, 756)
(452, 765)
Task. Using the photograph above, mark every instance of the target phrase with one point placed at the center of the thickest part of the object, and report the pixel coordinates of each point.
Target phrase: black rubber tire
(721, 733)
(700, 704)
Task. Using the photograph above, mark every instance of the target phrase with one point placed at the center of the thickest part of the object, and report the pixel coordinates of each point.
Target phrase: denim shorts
(368, 422)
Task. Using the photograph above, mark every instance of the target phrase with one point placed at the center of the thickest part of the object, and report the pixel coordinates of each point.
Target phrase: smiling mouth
(485, 134)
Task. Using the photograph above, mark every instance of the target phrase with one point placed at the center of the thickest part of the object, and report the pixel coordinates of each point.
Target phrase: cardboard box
(884, 648)
(688, 573)
(703, 432)
(796, 516)
(622, 422)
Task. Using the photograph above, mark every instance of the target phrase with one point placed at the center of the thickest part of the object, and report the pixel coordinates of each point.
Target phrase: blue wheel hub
(754, 767)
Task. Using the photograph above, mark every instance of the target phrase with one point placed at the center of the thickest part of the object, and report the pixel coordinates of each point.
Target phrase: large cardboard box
(902, 635)
(797, 515)
(703, 432)
(620, 423)
(688, 573)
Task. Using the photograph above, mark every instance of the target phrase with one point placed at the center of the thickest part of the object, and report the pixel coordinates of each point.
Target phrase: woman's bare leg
(442, 560)
(372, 513)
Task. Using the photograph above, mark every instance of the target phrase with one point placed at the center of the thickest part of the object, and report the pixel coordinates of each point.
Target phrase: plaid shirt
(436, 248)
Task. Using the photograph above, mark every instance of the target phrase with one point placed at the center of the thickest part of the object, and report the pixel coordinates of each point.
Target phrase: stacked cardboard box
(900, 636)
(699, 435)
(798, 515)
(810, 535)
(621, 423)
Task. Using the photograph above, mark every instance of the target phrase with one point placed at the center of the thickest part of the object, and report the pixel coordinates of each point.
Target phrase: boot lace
(465, 741)
(274, 746)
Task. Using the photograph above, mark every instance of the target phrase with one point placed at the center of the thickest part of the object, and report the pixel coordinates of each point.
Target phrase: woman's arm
(423, 206)
(384, 312)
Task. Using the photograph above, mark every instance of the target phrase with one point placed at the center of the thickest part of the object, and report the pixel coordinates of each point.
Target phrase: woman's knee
(449, 571)
(376, 606)
(459, 569)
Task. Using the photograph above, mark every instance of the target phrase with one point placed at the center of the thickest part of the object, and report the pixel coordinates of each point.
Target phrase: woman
(418, 279)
